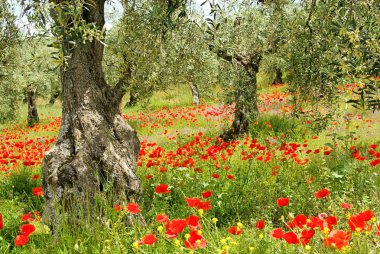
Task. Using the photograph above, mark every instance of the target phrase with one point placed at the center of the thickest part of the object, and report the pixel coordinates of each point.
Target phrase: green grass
(250, 196)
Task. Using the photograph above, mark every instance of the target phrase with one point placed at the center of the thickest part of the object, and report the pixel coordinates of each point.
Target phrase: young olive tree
(37, 73)
(239, 34)
(189, 59)
(138, 45)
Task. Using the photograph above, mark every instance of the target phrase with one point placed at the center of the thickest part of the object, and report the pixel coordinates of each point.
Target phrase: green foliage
(329, 43)
(32, 66)
(369, 96)
(9, 99)
(250, 196)
(276, 126)
(9, 36)
(161, 59)
(18, 185)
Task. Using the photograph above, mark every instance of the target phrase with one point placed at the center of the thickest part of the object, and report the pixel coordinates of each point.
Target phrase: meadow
(289, 187)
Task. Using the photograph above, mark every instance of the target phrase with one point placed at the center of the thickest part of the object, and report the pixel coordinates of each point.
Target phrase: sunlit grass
(245, 180)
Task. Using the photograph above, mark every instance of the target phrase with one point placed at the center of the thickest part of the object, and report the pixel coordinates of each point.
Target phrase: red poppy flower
(176, 226)
(21, 240)
(290, 224)
(235, 230)
(170, 235)
(306, 235)
(1, 221)
(337, 238)
(331, 220)
(290, 237)
(282, 201)
(162, 188)
(356, 223)
(133, 208)
(346, 206)
(359, 220)
(35, 177)
(26, 217)
(162, 218)
(192, 202)
(215, 175)
(117, 208)
(300, 220)
(27, 229)
(366, 215)
(204, 205)
(206, 194)
(375, 162)
(230, 177)
(148, 239)
(378, 230)
(277, 233)
(38, 191)
(195, 241)
(193, 222)
(260, 224)
(322, 193)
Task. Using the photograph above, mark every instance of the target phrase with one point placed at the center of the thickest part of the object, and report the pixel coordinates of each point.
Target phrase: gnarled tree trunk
(246, 109)
(95, 146)
(32, 107)
(194, 92)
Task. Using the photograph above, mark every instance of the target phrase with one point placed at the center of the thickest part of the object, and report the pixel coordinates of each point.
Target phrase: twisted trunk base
(240, 125)
(96, 150)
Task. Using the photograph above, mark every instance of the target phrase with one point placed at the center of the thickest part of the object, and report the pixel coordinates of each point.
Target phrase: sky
(113, 12)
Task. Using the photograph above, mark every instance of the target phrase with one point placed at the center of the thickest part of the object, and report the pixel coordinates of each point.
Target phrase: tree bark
(278, 78)
(246, 109)
(32, 107)
(194, 92)
(95, 147)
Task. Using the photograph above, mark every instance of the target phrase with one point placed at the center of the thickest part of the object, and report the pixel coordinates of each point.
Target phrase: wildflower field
(289, 187)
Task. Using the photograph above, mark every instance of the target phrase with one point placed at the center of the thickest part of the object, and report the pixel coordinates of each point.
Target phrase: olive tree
(239, 34)
(37, 73)
(331, 42)
(95, 147)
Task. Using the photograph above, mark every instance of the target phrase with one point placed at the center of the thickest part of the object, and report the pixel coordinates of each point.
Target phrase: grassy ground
(216, 195)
